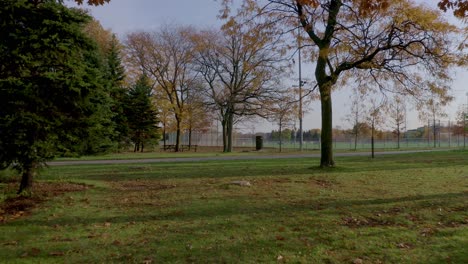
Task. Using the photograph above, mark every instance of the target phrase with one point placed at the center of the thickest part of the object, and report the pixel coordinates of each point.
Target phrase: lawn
(410, 208)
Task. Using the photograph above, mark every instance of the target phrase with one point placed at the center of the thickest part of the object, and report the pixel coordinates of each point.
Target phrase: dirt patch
(141, 186)
(324, 183)
(355, 222)
(18, 206)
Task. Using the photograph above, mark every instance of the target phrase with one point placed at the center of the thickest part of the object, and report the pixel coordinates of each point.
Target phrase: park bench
(187, 147)
(181, 147)
(168, 147)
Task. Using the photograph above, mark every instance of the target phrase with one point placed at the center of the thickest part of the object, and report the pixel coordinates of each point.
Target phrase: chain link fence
(438, 134)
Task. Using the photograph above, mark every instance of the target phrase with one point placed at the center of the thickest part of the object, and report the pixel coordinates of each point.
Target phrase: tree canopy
(459, 7)
(391, 45)
(51, 87)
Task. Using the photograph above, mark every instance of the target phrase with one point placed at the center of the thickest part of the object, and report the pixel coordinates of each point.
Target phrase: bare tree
(283, 110)
(374, 118)
(241, 67)
(355, 115)
(432, 109)
(167, 56)
(197, 115)
(396, 110)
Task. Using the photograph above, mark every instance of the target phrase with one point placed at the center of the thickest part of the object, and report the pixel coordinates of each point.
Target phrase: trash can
(258, 142)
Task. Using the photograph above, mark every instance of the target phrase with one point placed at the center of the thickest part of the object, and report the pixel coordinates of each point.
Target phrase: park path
(252, 157)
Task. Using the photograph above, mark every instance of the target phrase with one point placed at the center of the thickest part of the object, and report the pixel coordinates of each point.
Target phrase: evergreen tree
(141, 115)
(52, 95)
(116, 76)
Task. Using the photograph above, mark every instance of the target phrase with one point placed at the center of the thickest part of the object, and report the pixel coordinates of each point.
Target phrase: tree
(355, 115)
(109, 49)
(241, 67)
(283, 112)
(459, 7)
(374, 118)
(164, 113)
(115, 74)
(79, 2)
(386, 41)
(197, 116)
(431, 109)
(166, 57)
(141, 115)
(51, 89)
(397, 113)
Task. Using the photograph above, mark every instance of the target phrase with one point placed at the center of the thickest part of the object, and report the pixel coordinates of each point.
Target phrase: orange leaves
(459, 7)
(311, 3)
(369, 5)
(93, 2)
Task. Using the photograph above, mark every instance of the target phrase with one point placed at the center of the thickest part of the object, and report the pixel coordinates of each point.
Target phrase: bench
(168, 147)
(181, 147)
(187, 147)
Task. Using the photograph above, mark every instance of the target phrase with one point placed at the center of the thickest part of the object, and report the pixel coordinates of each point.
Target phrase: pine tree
(51, 88)
(116, 77)
(141, 115)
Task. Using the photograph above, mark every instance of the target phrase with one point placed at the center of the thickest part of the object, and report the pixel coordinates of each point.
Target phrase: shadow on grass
(223, 169)
(228, 208)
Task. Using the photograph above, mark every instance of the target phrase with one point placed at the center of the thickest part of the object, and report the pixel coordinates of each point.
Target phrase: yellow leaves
(425, 17)
(102, 36)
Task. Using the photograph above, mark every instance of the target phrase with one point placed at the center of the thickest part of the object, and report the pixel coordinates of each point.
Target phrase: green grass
(394, 209)
(169, 154)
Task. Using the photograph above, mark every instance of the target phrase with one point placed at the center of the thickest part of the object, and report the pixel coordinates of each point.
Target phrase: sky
(125, 16)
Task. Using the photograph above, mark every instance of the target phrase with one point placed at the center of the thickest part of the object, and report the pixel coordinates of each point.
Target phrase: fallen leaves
(280, 238)
(19, 206)
(404, 245)
(358, 261)
(366, 222)
(56, 253)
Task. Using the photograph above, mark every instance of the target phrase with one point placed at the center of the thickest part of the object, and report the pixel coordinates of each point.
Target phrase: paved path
(256, 157)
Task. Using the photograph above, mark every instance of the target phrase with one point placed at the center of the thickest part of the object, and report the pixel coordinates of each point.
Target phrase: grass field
(410, 208)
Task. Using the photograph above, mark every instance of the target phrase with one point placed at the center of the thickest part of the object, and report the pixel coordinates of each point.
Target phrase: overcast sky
(124, 16)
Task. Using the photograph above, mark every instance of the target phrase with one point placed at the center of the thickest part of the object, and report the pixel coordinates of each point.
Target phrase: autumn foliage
(92, 2)
(388, 45)
(459, 7)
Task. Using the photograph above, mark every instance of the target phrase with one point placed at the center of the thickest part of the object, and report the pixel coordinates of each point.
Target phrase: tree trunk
(27, 177)
(177, 145)
(326, 159)
(434, 132)
(190, 138)
(164, 135)
(372, 138)
(280, 137)
(355, 138)
(230, 128)
(224, 128)
(398, 138)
